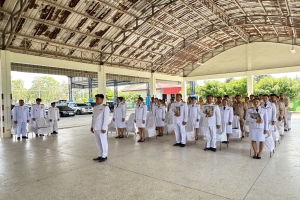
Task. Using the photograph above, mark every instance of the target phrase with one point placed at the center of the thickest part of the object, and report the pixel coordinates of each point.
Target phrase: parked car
(111, 105)
(81, 108)
(65, 111)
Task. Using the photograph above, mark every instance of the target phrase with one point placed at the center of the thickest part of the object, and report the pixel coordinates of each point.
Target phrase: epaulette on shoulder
(104, 105)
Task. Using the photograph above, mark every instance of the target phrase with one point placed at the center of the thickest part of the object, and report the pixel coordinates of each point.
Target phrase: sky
(28, 77)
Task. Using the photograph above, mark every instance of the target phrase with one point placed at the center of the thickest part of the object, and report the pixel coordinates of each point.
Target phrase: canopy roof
(166, 36)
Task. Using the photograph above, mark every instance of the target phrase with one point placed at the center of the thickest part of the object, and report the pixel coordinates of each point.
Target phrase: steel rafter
(12, 23)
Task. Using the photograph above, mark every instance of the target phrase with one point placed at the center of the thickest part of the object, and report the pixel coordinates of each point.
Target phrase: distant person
(53, 115)
(99, 127)
(119, 116)
(140, 118)
(227, 115)
(194, 113)
(21, 118)
(219, 101)
(171, 101)
(201, 102)
(285, 101)
(240, 109)
(37, 111)
(160, 115)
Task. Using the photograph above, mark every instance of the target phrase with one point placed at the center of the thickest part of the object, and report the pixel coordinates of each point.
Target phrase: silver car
(81, 108)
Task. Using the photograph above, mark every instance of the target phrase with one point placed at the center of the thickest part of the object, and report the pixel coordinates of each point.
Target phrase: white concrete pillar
(183, 90)
(6, 94)
(102, 81)
(250, 88)
(153, 85)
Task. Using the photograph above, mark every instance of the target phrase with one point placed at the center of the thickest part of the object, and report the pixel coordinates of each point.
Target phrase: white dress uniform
(154, 106)
(209, 124)
(140, 115)
(53, 114)
(160, 114)
(271, 111)
(179, 128)
(21, 115)
(37, 111)
(227, 116)
(194, 113)
(99, 123)
(256, 130)
(119, 114)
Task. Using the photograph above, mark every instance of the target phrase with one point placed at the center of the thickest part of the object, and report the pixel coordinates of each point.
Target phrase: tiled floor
(61, 167)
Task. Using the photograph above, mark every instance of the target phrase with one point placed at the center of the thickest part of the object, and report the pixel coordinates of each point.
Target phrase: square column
(102, 81)
(249, 83)
(6, 94)
(183, 90)
(153, 85)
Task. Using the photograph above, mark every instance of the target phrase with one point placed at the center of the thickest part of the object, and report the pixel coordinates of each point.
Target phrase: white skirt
(228, 129)
(139, 123)
(196, 124)
(119, 123)
(159, 122)
(257, 134)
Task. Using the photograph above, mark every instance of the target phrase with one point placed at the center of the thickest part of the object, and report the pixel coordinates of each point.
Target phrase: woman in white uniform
(194, 110)
(160, 114)
(119, 117)
(140, 118)
(258, 127)
(227, 116)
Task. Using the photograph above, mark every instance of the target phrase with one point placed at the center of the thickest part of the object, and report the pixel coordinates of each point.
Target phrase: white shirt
(215, 119)
(160, 112)
(38, 111)
(271, 110)
(263, 115)
(183, 111)
(100, 117)
(194, 110)
(227, 114)
(53, 113)
(141, 112)
(21, 114)
(120, 111)
(154, 106)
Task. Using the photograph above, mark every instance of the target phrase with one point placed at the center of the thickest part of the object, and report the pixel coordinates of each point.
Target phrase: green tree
(259, 77)
(215, 88)
(290, 87)
(235, 87)
(19, 91)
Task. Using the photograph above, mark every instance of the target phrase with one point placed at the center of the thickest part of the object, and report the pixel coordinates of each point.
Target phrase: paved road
(82, 120)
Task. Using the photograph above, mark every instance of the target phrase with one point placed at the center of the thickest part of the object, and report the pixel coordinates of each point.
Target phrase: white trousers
(21, 129)
(211, 136)
(102, 144)
(54, 125)
(180, 133)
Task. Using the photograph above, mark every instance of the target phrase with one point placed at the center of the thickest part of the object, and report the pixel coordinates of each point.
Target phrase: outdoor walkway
(61, 167)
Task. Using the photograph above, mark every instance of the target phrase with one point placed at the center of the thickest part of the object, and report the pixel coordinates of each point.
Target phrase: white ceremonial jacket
(194, 111)
(251, 118)
(141, 112)
(210, 109)
(226, 114)
(21, 114)
(38, 111)
(184, 111)
(53, 113)
(120, 111)
(100, 117)
(160, 112)
(271, 110)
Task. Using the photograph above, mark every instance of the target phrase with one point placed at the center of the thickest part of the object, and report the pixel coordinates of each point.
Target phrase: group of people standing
(22, 116)
(261, 113)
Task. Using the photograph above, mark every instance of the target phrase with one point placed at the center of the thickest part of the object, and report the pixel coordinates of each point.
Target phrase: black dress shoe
(258, 157)
(24, 137)
(41, 135)
(55, 132)
(243, 136)
(254, 157)
(182, 145)
(207, 149)
(36, 135)
(103, 159)
(117, 137)
(99, 158)
(225, 142)
(177, 144)
(18, 138)
(213, 149)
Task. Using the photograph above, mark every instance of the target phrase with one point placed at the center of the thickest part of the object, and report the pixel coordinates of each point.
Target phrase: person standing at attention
(53, 114)
(140, 118)
(119, 117)
(21, 118)
(99, 127)
(160, 115)
(37, 111)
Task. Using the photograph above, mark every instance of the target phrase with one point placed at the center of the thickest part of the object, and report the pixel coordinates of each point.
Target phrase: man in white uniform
(210, 123)
(180, 110)
(194, 110)
(21, 118)
(99, 127)
(271, 111)
(53, 114)
(227, 115)
(37, 111)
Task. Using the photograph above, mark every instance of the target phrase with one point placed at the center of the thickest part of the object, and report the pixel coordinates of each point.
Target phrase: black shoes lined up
(100, 159)
(179, 145)
(23, 137)
(210, 149)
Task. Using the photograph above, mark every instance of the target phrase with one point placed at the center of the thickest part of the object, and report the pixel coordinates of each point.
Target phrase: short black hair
(266, 95)
(193, 97)
(209, 96)
(273, 95)
(141, 98)
(179, 94)
(226, 96)
(21, 100)
(252, 95)
(238, 95)
(121, 98)
(38, 99)
(247, 98)
(219, 97)
(101, 96)
(52, 103)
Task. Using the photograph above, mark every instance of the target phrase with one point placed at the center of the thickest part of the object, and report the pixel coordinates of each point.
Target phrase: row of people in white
(119, 116)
